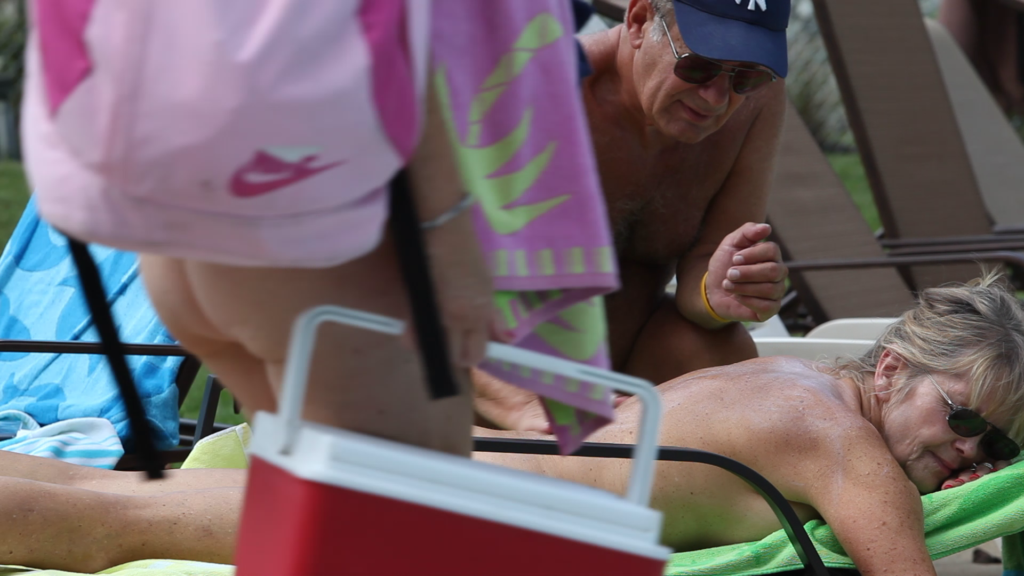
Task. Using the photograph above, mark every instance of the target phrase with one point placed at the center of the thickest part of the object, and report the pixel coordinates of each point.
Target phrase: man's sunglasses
(695, 69)
(968, 423)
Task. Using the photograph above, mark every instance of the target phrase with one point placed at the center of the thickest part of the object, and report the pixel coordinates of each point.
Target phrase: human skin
(834, 448)
(685, 193)
(74, 518)
(237, 320)
(685, 171)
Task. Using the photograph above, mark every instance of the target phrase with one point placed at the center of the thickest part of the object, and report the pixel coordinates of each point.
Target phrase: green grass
(225, 407)
(13, 196)
(851, 172)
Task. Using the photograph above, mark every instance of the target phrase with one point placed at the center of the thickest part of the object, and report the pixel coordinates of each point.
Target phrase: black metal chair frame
(813, 565)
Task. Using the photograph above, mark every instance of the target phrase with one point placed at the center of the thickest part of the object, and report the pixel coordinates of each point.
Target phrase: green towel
(954, 520)
(225, 449)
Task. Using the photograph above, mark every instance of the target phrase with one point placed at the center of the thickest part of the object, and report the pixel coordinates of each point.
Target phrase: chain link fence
(12, 47)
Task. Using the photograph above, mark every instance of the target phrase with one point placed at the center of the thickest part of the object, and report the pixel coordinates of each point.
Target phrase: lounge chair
(836, 266)
(994, 148)
(915, 157)
(49, 366)
(814, 218)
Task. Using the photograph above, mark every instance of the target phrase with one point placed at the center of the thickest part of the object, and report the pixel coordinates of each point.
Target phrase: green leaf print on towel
(585, 335)
(476, 162)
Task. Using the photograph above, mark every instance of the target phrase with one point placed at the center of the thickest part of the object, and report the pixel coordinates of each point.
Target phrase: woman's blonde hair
(974, 331)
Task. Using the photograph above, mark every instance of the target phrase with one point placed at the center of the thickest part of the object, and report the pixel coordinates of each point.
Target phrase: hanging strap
(412, 258)
(96, 298)
(415, 270)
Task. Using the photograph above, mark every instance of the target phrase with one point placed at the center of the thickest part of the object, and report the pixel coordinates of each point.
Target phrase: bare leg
(670, 345)
(49, 471)
(67, 528)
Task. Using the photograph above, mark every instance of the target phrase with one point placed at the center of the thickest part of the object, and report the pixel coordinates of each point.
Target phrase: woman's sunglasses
(694, 69)
(968, 423)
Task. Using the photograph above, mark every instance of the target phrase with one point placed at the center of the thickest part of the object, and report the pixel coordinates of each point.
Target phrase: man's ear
(638, 14)
(889, 365)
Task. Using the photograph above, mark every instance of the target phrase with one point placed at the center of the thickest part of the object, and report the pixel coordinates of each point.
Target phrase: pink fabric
(393, 85)
(244, 132)
(66, 62)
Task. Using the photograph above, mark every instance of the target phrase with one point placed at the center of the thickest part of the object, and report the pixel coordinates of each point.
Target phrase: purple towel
(507, 74)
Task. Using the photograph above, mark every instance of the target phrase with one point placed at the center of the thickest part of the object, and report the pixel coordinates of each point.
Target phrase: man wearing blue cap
(686, 106)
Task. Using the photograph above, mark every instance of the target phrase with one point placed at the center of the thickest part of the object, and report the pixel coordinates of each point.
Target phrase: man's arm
(728, 230)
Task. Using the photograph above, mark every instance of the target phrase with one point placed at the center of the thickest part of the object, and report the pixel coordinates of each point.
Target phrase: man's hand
(503, 406)
(746, 276)
(971, 474)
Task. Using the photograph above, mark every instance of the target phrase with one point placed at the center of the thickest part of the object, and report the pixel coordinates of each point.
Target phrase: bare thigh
(50, 471)
(237, 320)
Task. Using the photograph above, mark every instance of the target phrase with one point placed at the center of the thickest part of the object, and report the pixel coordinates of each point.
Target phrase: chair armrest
(1006, 256)
(813, 349)
(69, 347)
(1005, 240)
(780, 506)
(852, 328)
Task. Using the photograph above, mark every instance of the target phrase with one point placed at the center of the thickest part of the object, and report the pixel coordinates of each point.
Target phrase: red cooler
(327, 502)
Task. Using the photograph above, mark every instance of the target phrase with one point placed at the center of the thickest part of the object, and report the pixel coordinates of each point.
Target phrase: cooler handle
(300, 355)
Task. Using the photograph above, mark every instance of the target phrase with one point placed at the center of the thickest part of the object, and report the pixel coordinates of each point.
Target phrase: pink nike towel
(246, 132)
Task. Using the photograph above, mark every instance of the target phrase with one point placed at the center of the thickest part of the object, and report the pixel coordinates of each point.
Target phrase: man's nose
(716, 92)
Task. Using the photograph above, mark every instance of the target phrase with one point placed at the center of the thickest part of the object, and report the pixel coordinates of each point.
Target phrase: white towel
(84, 441)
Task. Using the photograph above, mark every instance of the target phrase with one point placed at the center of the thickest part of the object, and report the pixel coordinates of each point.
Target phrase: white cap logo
(755, 3)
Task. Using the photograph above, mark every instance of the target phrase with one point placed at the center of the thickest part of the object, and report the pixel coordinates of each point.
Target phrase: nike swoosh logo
(257, 178)
(252, 180)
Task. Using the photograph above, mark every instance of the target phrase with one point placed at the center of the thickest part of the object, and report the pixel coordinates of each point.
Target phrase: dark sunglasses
(968, 423)
(695, 69)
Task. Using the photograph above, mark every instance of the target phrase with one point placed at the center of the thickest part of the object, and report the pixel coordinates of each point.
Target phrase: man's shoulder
(600, 47)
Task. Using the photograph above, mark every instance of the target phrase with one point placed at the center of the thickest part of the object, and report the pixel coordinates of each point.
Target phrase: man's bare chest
(657, 203)
(657, 199)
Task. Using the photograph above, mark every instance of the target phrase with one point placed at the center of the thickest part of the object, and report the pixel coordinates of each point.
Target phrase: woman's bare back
(731, 411)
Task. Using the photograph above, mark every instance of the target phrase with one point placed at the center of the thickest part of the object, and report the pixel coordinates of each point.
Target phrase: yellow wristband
(707, 304)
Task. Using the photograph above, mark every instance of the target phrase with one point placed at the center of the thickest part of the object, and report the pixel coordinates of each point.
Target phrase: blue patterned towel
(83, 441)
(41, 299)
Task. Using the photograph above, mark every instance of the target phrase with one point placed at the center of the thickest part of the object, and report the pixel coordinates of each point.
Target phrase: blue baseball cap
(736, 30)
